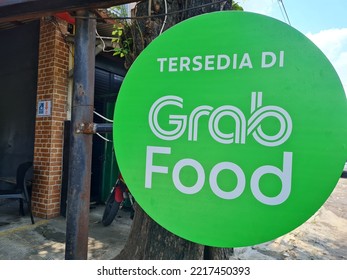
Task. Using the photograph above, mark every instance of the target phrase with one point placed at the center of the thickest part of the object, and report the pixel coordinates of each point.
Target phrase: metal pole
(78, 198)
(103, 127)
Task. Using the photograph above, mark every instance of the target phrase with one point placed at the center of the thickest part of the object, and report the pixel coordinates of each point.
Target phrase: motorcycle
(120, 197)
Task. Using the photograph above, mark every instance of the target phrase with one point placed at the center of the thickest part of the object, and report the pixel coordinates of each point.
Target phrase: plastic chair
(19, 189)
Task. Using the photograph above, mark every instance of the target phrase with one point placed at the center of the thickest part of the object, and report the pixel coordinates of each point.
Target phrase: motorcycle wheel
(111, 210)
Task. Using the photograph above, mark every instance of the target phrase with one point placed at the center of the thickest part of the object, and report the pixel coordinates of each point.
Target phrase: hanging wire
(106, 119)
(283, 8)
(103, 138)
(103, 42)
(164, 22)
(101, 116)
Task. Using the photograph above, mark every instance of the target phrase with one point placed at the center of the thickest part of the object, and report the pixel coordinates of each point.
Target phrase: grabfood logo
(233, 141)
(238, 134)
(243, 128)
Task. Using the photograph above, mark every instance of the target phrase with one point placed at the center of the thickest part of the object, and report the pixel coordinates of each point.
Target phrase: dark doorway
(18, 85)
(109, 75)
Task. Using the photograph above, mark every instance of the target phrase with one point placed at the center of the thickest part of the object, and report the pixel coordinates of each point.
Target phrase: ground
(324, 236)
(19, 240)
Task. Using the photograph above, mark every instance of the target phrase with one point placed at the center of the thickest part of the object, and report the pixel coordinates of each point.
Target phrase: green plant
(236, 6)
(122, 43)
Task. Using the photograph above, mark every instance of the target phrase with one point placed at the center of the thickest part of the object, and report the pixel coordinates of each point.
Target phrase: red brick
(52, 85)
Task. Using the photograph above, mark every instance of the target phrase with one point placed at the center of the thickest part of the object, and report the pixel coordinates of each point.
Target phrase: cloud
(333, 43)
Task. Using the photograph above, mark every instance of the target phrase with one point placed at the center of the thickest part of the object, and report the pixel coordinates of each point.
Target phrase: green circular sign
(230, 129)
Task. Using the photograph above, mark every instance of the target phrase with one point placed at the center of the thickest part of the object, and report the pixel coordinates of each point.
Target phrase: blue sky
(324, 22)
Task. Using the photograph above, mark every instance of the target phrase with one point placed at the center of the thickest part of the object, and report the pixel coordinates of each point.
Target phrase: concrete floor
(45, 240)
(324, 236)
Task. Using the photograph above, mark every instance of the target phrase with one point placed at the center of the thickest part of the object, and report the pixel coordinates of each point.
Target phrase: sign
(230, 129)
(44, 108)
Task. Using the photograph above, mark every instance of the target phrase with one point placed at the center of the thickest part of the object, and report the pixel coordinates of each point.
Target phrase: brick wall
(52, 85)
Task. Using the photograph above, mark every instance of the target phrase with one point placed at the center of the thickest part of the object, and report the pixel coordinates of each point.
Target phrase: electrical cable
(281, 9)
(164, 22)
(106, 119)
(285, 11)
(103, 42)
(149, 7)
(101, 116)
(103, 138)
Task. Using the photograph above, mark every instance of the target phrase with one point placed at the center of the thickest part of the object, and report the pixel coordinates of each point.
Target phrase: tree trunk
(148, 24)
(150, 241)
(147, 239)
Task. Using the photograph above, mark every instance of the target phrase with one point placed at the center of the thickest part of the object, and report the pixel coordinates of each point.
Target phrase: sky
(323, 21)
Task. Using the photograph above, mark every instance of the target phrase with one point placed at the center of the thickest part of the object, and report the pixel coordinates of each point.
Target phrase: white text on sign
(219, 62)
